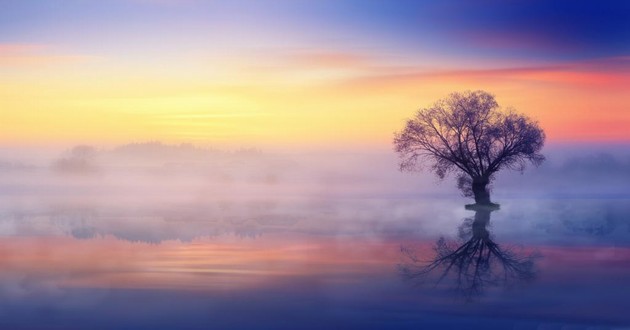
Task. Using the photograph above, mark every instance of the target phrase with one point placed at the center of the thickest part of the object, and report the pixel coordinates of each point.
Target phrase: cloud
(607, 71)
(329, 59)
(19, 49)
(36, 55)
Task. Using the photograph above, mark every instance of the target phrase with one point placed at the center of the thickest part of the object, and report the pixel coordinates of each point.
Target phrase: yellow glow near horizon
(317, 100)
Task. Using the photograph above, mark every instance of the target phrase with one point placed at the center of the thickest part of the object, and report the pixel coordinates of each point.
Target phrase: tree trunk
(480, 190)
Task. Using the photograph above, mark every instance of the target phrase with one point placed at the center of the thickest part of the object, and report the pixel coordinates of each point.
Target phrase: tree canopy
(468, 133)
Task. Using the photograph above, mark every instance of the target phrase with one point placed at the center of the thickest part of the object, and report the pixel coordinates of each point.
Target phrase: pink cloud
(602, 72)
(36, 55)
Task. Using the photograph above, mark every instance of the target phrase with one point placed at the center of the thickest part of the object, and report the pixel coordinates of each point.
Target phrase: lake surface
(169, 251)
(326, 264)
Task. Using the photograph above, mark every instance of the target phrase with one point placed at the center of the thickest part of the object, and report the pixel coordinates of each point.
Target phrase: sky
(296, 73)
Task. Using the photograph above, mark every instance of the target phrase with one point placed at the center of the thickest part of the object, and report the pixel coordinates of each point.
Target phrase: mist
(152, 192)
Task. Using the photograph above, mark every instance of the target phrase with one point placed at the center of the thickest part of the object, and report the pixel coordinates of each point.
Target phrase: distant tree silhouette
(473, 265)
(468, 134)
(78, 160)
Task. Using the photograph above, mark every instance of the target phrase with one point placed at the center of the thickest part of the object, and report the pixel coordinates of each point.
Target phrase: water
(166, 251)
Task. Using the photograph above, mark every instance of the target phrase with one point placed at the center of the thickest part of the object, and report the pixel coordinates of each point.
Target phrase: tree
(470, 135)
(78, 160)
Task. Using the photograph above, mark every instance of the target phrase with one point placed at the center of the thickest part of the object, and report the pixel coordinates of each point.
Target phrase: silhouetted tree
(473, 265)
(468, 134)
(78, 160)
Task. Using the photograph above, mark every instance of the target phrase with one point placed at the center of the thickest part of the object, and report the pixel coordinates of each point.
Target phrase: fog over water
(199, 235)
(89, 191)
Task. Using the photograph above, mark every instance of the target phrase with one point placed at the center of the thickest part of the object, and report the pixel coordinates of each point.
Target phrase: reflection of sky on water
(307, 249)
(80, 267)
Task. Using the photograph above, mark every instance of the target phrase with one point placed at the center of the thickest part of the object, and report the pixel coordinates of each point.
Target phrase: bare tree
(473, 265)
(468, 134)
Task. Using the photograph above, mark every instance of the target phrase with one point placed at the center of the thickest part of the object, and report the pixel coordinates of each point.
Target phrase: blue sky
(524, 30)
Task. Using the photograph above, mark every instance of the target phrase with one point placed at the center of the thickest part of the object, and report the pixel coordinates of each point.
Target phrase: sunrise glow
(212, 74)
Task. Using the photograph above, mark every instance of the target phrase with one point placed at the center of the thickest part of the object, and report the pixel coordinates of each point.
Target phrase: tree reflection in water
(474, 265)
